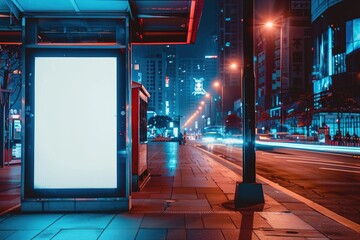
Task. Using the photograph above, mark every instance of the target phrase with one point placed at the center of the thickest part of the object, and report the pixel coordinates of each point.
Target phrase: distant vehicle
(161, 139)
(233, 139)
(274, 136)
(213, 134)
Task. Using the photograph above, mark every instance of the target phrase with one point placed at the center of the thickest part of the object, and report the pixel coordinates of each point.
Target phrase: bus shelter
(76, 116)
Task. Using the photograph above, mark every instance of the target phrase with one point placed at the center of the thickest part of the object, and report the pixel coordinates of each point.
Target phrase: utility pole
(248, 192)
(178, 117)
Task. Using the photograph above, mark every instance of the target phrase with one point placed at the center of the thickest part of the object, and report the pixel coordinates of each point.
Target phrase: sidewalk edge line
(9, 209)
(317, 207)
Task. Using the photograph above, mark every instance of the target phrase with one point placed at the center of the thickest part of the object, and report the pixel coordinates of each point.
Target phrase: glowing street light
(210, 100)
(217, 84)
(269, 24)
(233, 66)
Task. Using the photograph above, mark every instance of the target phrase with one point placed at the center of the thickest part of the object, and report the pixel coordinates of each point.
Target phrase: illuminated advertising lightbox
(75, 122)
(72, 114)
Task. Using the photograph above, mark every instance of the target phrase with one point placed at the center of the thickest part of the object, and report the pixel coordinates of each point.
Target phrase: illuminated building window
(352, 35)
(167, 80)
(339, 63)
(167, 108)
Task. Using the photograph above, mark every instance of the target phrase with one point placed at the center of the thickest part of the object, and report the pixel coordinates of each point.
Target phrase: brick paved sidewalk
(183, 200)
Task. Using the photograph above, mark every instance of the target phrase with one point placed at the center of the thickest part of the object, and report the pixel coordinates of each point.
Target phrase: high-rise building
(176, 85)
(195, 76)
(171, 82)
(336, 69)
(230, 50)
(149, 69)
(156, 67)
(282, 63)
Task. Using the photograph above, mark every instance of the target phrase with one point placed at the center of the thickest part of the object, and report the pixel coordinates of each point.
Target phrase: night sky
(264, 9)
(206, 29)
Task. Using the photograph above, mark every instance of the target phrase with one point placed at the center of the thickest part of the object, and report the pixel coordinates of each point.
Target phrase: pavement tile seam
(48, 227)
(108, 224)
(181, 212)
(288, 234)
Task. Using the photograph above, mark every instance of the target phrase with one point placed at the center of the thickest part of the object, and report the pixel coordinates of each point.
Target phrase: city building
(195, 76)
(283, 51)
(155, 68)
(230, 51)
(176, 85)
(336, 69)
(169, 71)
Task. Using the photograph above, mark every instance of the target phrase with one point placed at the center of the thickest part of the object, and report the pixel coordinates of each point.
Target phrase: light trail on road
(340, 170)
(326, 164)
(301, 146)
(314, 147)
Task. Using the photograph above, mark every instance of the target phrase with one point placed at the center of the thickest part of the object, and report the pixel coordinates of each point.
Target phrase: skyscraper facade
(155, 68)
(176, 85)
(282, 64)
(195, 76)
(230, 50)
(336, 71)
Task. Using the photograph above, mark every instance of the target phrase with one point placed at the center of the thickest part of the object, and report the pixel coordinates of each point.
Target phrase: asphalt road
(329, 179)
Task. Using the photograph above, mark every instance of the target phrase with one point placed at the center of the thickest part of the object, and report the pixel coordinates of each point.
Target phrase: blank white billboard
(75, 123)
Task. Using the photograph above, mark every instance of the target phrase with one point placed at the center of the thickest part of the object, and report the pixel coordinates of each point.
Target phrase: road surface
(329, 179)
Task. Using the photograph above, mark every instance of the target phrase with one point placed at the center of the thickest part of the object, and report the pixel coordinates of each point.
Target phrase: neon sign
(199, 87)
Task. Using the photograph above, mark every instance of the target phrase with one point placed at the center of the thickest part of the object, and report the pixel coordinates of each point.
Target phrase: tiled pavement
(9, 187)
(184, 199)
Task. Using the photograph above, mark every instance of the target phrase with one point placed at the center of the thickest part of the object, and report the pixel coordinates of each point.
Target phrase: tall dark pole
(222, 104)
(248, 192)
(281, 80)
(248, 88)
(178, 118)
(210, 112)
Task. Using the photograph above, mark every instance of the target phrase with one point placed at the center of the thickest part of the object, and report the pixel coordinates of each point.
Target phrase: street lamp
(201, 116)
(271, 25)
(217, 84)
(248, 192)
(233, 66)
(178, 117)
(210, 112)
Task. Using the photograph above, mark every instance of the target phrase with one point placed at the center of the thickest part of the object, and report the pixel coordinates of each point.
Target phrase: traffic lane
(330, 180)
(353, 157)
(325, 180)
(310, 147)
(346, 163)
